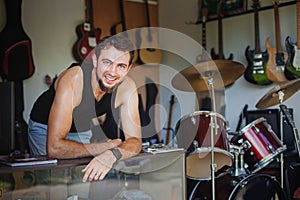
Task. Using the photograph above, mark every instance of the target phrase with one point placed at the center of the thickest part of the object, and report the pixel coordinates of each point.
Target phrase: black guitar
(221, 55)
(256, 70)
(87, 35)
(292, 67)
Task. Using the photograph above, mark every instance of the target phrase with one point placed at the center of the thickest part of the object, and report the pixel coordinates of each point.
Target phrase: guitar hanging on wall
(149, 39)
(277, 57)
(292, 67)
(256, 70)
(221, 55)
(87, 35)
(204, 14)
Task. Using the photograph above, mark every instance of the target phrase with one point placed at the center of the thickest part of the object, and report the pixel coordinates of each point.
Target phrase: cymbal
(195, 78)
(271, 98)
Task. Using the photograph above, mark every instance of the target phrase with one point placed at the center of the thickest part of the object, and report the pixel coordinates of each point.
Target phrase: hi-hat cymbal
(194, 78)
(271, 98)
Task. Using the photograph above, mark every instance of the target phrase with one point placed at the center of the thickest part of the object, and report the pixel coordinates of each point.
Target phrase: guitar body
(149, 53)
(256, 70)
(292, 70)
(87, 40)
(216, 56)
(15, 46)
(276, 64)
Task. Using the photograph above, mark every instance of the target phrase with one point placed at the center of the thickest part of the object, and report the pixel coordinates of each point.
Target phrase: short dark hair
(120, 42)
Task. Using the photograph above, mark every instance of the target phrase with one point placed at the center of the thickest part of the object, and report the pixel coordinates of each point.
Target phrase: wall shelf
(250, 11)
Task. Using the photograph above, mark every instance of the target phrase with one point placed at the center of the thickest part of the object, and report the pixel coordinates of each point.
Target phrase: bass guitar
(87, 36)
(221, 55)
(149, 53)
(292, 67)
(256, 70)
(277, 57)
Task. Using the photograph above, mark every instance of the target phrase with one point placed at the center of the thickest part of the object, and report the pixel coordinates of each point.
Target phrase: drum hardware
(238, 152)
(278, 95)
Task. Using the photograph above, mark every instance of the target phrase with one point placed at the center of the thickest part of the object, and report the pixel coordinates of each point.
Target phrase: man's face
(112, 67)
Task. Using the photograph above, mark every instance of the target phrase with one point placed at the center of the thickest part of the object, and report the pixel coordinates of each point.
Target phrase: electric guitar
(121, 27)
(87, 36)
(292, 67)
(256, 70)
(204, 15)
(149, 52)
(277, 57)
(214, 55)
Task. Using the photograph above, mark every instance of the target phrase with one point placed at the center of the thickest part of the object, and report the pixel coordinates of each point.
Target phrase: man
(61, 118)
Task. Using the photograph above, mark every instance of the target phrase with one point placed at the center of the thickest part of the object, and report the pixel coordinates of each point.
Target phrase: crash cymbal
(271, 98)
(194, 78)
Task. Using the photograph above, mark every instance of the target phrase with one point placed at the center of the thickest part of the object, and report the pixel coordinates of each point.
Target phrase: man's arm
(127, 98)
(60, 119)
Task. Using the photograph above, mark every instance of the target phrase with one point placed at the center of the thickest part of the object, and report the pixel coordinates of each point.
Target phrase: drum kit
(224, 168)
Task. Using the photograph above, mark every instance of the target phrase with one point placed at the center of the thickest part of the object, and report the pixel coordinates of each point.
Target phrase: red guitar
(88, 36)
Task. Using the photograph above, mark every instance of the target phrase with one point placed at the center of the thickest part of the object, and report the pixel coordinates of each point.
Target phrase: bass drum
(252, 187)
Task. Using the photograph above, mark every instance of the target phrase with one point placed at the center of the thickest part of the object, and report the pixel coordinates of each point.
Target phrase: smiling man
(62, 117)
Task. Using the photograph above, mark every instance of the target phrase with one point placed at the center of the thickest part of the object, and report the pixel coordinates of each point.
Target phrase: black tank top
(87, 110)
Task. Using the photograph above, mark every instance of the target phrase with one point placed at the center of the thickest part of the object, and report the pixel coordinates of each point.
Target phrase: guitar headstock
(204, 11)
(287, 114)
(276, 2)
(255, 4)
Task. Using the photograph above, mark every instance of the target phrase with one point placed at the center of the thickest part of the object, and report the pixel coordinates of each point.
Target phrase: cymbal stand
(280, 97)
(213, 132)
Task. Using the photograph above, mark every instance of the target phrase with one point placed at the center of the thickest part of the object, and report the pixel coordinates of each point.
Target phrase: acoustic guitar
(221, 55)
(149, 39)
(292, 67)
(87, 35)
(256, 70)
(121, 27)
(277, 57)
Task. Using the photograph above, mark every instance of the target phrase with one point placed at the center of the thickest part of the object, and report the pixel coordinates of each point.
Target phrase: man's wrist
(116, 153)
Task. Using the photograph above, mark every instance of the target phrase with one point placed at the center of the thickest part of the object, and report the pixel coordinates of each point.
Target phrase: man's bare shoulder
(70, 76)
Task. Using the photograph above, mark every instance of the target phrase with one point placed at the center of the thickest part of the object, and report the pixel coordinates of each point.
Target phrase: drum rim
(199, 112)
(216, 149)
(269, 158)
(240, 183)
(247, 127)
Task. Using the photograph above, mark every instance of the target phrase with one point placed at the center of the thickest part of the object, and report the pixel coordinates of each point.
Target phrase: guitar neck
(256, 27)
(220, 37)
(277, 28)
(204, 35)
(298, 24)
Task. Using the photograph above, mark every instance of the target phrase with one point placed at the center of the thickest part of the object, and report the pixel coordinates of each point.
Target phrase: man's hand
(99, 166)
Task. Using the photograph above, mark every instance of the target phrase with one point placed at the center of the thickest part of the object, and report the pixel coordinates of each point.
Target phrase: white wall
(51, 26)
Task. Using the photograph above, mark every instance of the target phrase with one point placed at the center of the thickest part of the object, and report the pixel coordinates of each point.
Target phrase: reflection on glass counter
(146, 176)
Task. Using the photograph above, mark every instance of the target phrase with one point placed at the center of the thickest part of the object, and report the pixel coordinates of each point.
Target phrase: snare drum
(260, 143)
(255, 186)
(193, 132)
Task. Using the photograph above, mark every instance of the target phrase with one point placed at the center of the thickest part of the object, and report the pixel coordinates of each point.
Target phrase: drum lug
(246, 145)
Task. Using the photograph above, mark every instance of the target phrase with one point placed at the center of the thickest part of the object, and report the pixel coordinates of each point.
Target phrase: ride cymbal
(271, 98)
(195, 78)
